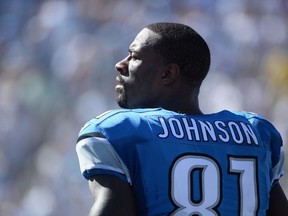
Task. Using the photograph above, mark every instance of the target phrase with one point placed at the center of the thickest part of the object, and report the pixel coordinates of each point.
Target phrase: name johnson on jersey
(203, 131)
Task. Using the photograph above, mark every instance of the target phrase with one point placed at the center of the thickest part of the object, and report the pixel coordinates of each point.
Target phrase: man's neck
(184, 107)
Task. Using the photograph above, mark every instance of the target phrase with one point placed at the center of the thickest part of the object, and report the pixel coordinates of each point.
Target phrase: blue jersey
(218, 164)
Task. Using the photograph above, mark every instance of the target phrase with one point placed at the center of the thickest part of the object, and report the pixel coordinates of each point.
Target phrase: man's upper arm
(278, 204)
(109, 178)
(97, 155)
(113, 196)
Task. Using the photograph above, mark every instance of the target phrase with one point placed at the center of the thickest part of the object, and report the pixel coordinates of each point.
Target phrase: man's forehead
(145, 39)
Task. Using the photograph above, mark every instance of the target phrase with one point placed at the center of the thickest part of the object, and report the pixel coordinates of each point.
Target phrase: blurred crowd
(57, 71)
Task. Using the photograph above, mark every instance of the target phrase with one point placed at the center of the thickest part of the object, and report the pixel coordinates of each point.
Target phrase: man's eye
(132, 55)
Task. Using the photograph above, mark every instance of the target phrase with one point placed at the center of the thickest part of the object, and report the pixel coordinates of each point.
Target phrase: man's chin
(122, 103)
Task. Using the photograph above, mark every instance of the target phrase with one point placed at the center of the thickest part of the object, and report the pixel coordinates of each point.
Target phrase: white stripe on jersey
(277, 170)
(97, 152)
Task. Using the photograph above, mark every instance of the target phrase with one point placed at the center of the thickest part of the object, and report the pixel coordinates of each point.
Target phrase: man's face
(139, 73)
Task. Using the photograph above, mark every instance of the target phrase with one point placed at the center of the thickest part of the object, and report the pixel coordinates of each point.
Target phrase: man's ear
(170, 74)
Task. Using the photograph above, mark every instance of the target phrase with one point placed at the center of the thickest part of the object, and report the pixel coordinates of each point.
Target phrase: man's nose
(122, 67)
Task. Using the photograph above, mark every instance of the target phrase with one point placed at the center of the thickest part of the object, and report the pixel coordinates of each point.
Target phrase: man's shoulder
(259, 122)
(239, 114)
(121, 120)
(119, 115)
(248, 115)
(251, 117)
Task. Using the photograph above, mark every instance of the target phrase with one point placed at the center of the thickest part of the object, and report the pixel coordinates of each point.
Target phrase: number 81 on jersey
(210, 184)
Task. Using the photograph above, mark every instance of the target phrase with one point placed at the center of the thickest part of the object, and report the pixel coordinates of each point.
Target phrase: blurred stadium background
(57, 62)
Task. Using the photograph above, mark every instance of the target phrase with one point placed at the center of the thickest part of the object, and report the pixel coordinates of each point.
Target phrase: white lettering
(191, 128)
(225, 137)
(164, 127)
(178, 125)
(207, 128)
(236, 132)
(203, 131)
(249, 133)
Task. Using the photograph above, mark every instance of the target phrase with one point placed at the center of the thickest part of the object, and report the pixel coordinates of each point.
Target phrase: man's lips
(119, 83)
(119, 87)
(118, 79)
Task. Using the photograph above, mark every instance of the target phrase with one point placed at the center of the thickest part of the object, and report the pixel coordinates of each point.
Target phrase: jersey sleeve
(96, 155)
(270, 135)
(278, 169)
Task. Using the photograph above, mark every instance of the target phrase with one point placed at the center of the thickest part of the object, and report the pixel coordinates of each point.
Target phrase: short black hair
(182, 45)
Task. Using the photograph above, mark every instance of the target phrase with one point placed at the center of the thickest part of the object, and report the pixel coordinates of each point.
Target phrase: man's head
(160, 55)
(182, 45)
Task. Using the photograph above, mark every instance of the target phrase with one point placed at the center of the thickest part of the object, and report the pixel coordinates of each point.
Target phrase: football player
(160, 155)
